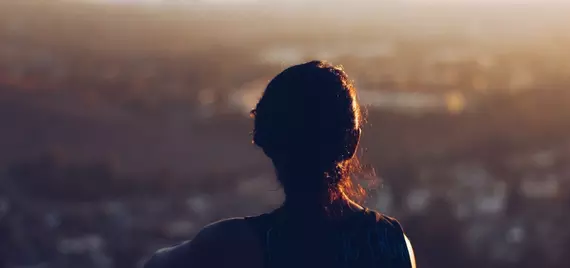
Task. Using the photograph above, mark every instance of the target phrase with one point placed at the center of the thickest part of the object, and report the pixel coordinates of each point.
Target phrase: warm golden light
(455, 102)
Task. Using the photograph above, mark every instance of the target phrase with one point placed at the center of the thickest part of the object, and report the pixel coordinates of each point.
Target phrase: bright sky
(419, 1)
(518, 2)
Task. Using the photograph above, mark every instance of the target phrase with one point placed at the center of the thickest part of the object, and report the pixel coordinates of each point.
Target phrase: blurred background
(124, 124)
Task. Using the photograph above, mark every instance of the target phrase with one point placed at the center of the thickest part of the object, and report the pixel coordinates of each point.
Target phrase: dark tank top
(363, 239)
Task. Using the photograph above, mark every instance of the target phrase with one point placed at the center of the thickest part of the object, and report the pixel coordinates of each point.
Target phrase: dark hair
(308, 122)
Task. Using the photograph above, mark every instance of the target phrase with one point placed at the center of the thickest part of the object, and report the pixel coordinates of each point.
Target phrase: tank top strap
(262, 223)
(389, 239)
(261, 226)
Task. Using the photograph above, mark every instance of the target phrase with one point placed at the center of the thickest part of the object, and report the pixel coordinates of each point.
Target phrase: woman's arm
(411, 252)
(196, 253)
(227, 243)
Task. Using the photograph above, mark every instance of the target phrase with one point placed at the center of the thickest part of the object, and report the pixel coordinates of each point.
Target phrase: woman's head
(308, 122)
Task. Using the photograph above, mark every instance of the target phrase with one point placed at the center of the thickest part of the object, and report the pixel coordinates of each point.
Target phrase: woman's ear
(352, 141)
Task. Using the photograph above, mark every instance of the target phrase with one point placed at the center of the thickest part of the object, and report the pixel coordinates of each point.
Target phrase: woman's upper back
(365, 239)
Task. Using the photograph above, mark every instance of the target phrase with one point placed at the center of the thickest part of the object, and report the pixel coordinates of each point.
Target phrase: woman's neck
(307, 193)
(321, 207)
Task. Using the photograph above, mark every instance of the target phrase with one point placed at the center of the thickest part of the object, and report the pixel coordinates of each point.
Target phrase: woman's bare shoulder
(215, 245)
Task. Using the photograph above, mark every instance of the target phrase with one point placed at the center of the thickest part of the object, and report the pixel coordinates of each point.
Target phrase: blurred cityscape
(125, 128)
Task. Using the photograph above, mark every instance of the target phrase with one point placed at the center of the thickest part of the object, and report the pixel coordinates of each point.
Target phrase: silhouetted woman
(308, 122)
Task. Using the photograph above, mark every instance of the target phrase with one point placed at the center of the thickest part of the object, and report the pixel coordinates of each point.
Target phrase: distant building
(418, 200)
(540, 187)
(81, 245)
(476, 192)
(180, 229)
